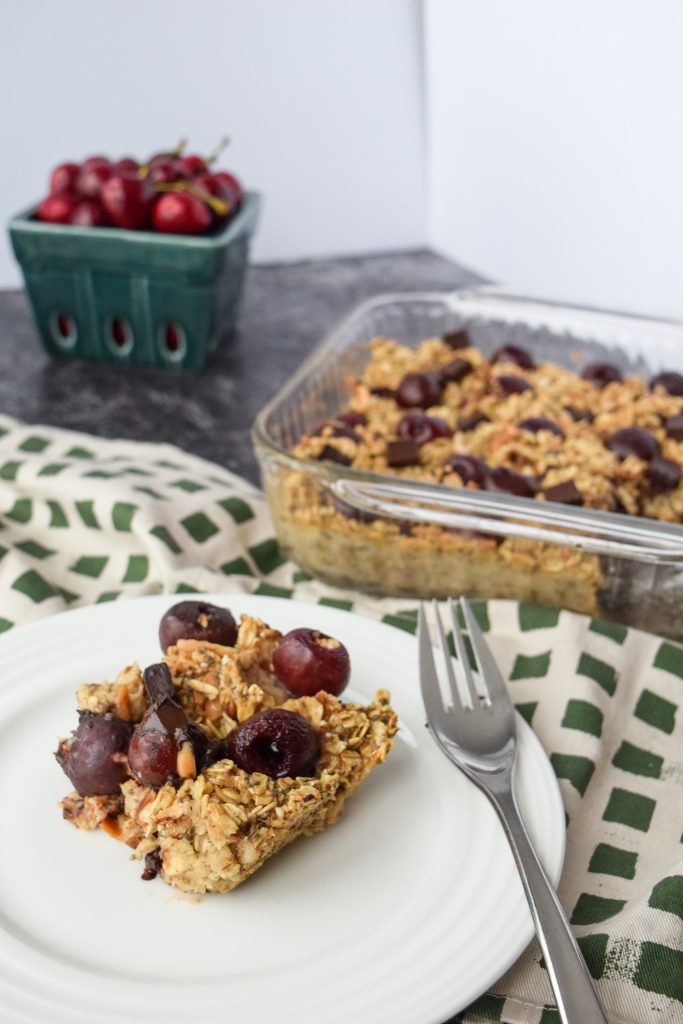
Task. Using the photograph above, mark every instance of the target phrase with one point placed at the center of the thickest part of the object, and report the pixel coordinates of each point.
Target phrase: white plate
(404, 912)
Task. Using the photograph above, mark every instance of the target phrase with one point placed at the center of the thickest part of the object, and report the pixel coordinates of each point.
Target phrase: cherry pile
(167, 747)
(170, 192)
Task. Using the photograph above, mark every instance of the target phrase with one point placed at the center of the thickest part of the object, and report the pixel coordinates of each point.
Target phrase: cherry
(233, 186)
(89, 213)
(217, 188)
(164, 171)
(57, 209)
(633, 441)
(510, 384)
(127, 200)
(674, 427)
(197, 620)
(470, 469)
(306, 661)
(63, 178)
(95, 761)
(351, 419)
(457, 339)
(535, 423)
(166, 745)
(126, 165)
(90, 180)
(419, 389)
(181, 213)
(509, 482)
(454, 371)
(670, 381)
(192, 165)
(513, 354)
(601, 374)
(417, 427)
(470, 422)
(663, 474)
(275, 742)
(94, 161)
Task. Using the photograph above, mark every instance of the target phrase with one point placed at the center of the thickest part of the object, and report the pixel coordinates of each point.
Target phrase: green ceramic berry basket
(134, 297)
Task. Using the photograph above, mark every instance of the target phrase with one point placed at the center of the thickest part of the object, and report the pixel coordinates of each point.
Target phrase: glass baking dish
(402, 537)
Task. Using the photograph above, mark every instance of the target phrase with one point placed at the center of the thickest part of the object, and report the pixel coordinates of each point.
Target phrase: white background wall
(322, 98)
(548, 153)
(556, 145)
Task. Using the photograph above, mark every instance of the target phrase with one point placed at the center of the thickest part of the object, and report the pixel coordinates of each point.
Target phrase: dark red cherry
(514, 354)
(351, 419)
(663, 474)
(90, 180)
(468, 467)
(670, 381)
(126, 165)
(95, 760)
(166, 746)
(164, 171)
(674, 427)
(601, 374)
(57, 209)
(455, 371)
(128, 201)
(89, 213)
(536, 423)
(457, 339)
(306, 661)
(419, 390)
(181, 213)
(633, 441)
(192, 164)
(63, 178)
(580, 415)
(275, 742)
(506, 480)
(197, 620)
(216, 187)
(417, 427)
(510, 384)
(232, 184)
(470, 422)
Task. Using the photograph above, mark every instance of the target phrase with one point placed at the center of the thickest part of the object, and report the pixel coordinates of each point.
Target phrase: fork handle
(577, 1002)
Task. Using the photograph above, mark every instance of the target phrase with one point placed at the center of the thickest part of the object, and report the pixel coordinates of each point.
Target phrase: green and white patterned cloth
(84, 520)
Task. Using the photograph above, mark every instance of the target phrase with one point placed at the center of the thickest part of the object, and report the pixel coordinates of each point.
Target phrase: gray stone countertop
(286, 310)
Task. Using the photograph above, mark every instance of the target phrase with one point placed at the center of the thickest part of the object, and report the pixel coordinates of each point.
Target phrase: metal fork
(478, 735)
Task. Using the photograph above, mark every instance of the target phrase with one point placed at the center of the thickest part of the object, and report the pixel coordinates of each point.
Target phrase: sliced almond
(186, 766)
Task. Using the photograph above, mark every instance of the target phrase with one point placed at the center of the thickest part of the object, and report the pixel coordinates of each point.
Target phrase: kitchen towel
(84, 520)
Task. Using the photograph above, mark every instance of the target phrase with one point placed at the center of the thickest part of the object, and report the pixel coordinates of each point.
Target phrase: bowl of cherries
(136, 262)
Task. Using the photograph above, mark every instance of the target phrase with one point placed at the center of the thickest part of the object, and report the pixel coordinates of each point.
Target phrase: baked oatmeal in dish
(211, 761)
(443, 414)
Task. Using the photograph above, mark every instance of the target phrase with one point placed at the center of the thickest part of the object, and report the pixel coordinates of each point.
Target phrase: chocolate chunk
(402, 453)
(158, 684)
(579, 415)
(457, 339)
(455, 371)
(332, 454)
(153, 865)
(674, 427)
(470, 422)
(567, 493)
(663, 474)
(382, 392)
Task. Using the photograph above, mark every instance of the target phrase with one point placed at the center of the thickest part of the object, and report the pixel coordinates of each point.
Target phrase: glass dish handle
(595, 532)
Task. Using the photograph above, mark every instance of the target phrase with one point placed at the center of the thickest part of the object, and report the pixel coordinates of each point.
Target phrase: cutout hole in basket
(119, 336)
(173, 342)
(63, 329)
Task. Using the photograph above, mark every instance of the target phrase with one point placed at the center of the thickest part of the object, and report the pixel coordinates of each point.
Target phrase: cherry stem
(223, 144)
(218, 206)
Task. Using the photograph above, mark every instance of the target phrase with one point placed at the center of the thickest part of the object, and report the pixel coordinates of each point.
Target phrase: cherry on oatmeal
(197, 620)
(95, 759)
(306, 661)
(275, 742)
